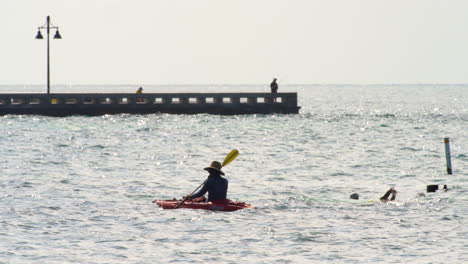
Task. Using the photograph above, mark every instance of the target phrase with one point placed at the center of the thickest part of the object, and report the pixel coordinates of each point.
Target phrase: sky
(236, 41)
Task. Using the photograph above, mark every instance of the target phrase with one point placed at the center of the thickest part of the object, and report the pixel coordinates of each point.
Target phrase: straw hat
(215, 165)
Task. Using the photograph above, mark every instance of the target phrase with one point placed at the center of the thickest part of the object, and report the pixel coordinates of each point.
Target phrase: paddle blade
(230, 157)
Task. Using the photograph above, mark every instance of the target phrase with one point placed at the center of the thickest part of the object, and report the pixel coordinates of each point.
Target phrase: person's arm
(202, 191)
(386, 195)
(393, 195)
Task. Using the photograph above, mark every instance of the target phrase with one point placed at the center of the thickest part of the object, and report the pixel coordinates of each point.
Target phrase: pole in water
(447, 155)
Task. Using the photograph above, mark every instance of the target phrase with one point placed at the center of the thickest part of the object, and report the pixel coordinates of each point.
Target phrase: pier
(67, 104)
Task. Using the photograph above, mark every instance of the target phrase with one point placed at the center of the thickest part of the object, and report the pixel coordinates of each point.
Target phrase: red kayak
(221, 205)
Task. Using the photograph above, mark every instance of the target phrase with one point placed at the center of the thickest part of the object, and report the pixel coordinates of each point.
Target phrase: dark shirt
(216, 186)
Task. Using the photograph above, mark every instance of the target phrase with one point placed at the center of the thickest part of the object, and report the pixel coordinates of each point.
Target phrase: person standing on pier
(274, 86)
(139, 99)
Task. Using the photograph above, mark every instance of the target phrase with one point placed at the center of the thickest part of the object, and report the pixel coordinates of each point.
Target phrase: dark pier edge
(66, 104)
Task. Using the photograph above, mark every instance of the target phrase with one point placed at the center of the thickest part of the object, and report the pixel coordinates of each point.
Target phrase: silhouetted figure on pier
(139, 99)
(274, 86)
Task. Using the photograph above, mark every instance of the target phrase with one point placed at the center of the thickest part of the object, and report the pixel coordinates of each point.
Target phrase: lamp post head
(57, 35)
(39, 35)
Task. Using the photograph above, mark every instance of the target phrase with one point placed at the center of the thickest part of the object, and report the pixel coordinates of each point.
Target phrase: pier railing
(177, 103)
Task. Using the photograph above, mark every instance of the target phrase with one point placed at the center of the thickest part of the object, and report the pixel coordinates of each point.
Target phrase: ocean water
(80, 189)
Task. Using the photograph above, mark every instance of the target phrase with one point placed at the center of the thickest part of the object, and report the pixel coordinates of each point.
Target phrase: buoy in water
(435, 187)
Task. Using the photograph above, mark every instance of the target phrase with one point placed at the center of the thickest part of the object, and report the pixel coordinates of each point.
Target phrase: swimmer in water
(385, 199)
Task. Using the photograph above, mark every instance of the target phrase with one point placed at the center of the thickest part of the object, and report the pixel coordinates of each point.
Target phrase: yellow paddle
(228, 159)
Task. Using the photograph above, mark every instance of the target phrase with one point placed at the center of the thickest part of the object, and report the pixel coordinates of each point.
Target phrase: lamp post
(48, 26)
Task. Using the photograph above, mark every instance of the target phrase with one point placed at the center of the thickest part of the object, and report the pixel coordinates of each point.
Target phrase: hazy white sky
(236, 41)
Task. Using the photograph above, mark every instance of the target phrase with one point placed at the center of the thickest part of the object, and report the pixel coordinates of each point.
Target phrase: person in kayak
(215, 185)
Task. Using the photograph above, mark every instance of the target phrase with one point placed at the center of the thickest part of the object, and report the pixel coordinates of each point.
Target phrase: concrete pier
(66, 104)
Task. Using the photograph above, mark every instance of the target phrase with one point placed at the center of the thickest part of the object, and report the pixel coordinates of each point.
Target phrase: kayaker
(391, 191)
(215, 185)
